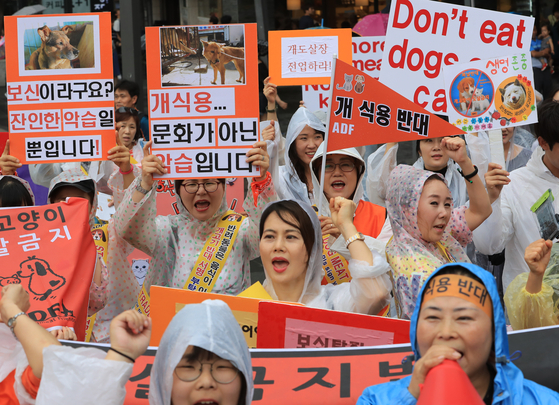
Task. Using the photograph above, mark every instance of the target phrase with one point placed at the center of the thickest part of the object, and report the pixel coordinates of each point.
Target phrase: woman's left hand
(258, 156)
(455, 149)
(328, 227)
(342, 211)
(120, 155)
(65, 333)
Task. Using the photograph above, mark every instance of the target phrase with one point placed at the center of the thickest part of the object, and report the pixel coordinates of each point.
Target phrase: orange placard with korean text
(31, 242)
(203, 99)
(60, 87)
(363, 111)
(304, 57)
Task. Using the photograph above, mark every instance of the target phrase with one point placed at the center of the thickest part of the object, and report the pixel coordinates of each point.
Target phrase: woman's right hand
(434, 356)
(342, 211)
(270, 91)
(151, 165)
(537, 256)
(8, 164)
(130, 333)
(495, 179)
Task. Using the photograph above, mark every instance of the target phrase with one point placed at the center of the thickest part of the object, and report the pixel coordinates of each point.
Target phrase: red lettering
(370, 64)
(325, 87)
(439, 103)
(420, 89)
(415, 68)
(433, 70)
(402, 25)
(322, 101)
(358, 64)
(488, 28)
(398, 48)
(463, 20)
(364, 47)
(506, 35)
(314, 87)
(440, 16)
(419, 14)
(521, 28)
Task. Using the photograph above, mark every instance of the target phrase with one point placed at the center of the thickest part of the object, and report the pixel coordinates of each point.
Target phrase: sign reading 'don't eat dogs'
(60, 87)
(202, 83)
(423, 36)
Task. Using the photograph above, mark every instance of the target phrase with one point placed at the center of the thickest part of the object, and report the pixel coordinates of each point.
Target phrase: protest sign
(423, 36)
(200, 83)
(3, 138)
(286, 326)
(31, 240)
(491, 94)
(60, 98)
(304, 57)
(366, 112)
(367, 57)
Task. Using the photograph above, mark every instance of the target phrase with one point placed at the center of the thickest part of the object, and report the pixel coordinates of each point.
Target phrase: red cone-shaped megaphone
(448, 384)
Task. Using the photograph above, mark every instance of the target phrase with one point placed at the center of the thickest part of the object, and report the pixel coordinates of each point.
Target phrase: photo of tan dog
(219, 55)
(466, 88)
(56, 52)
(513, 95)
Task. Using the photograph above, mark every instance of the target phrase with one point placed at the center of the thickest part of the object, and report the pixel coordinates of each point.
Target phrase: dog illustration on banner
(219, 55)
(99, 234)
(14, 279)
(513, 95)
(55, 52)
(42, 280)
(140, 268)
(359, 84)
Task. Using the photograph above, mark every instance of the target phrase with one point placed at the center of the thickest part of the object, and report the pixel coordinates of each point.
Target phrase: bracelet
(123, 355)
(128, 172)
(271, 111)
(469, 176)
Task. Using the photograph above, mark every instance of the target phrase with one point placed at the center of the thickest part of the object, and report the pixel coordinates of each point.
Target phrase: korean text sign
(203, 99)
(31, 239)
(423, 36)
(366, 112)
(304, 57)
(367, 57)
(60, 87)
(491, 94)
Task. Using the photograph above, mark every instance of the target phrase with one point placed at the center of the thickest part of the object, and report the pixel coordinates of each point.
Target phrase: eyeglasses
(127, 110)
(221, 370)
(192, 188)
(344, 166)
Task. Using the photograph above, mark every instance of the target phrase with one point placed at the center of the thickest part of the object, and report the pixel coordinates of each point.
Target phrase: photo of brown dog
(55, 52)
(218, 56)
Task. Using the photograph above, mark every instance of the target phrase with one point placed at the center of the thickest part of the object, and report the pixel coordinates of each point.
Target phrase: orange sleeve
(30, 382)
(7, 393)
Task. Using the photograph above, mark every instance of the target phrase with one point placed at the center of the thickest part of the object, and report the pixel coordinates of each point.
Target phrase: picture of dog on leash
(53, 45)
(196, 56)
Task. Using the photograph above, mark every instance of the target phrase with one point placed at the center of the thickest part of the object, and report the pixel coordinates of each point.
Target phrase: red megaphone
(448, 384)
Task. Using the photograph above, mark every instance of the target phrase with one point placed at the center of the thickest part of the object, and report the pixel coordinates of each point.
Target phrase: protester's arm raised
(271, 92)
(130, 334)
(120, 156)
(151, 165)
(8, 164)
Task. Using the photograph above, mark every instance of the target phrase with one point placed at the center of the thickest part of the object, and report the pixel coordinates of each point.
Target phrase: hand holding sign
(120, 155)
(8, 164)
(151, 165)
(130, 334)
(15, 299)
(258, 156)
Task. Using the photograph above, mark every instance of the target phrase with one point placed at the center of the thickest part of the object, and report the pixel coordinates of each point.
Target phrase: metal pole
(131, 25)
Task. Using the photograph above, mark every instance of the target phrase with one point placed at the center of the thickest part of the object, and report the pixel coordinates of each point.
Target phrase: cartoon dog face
(4, 281)
(58, 41)
(98, 234)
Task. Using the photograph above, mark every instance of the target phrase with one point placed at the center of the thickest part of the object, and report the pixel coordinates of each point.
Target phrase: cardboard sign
(366, 112)
(199, 82)
(491, 94)
(31, 239)
(423, 36)
(367, 57)
(304, 57)
(60, 103)
(286, 326)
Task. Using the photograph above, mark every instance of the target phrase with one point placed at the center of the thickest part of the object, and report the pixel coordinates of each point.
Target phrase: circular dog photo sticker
(471, 93)
(515, 98)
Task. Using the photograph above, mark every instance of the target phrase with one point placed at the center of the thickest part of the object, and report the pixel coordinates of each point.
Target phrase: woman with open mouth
(291, 252)
(185, 246)
(449, 323)
(428, 232)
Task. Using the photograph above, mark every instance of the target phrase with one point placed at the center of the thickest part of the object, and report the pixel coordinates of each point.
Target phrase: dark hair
(554, 90)
(302, 222)
(14, 194)
(202, 354)
(359, 166)
(226, 19)
(547, 126)
(418, 143)
(131, 87)
(548, 26)
(124, 114)
(55, 193)
(298, 165)
(214, 19)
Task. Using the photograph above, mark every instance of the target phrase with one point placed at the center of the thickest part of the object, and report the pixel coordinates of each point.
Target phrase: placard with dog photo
(491, 94)
(200, 79)
(60, 87)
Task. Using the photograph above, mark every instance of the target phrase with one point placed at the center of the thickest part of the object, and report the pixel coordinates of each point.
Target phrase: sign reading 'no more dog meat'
(203, 99)
(60, 87)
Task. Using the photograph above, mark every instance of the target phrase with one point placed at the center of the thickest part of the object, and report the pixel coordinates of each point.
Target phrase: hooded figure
(289, 184)
(509, 385)
(370, 219)
(175, 241)
(210, 326)
(413, 259)
(369, 285)
(9, 197)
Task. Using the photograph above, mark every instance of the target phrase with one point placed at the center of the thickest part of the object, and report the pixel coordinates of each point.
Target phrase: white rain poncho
(381, 163)
(210, 326)
(369, 288)
(289, 185)
(378, 243)
(69, 374)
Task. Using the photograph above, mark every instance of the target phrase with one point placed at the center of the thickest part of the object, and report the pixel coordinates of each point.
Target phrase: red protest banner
(287, 326)
(366, 112)
(32, 240)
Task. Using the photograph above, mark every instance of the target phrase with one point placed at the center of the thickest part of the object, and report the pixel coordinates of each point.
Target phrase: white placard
(294, 52)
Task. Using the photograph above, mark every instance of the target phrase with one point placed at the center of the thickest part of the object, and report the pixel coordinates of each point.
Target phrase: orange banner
(60, 87)
(364, 111)
(31, 242)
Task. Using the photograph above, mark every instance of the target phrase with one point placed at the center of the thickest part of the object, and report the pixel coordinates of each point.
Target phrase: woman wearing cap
(291, 253)
(428, 232)
(470, 328)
